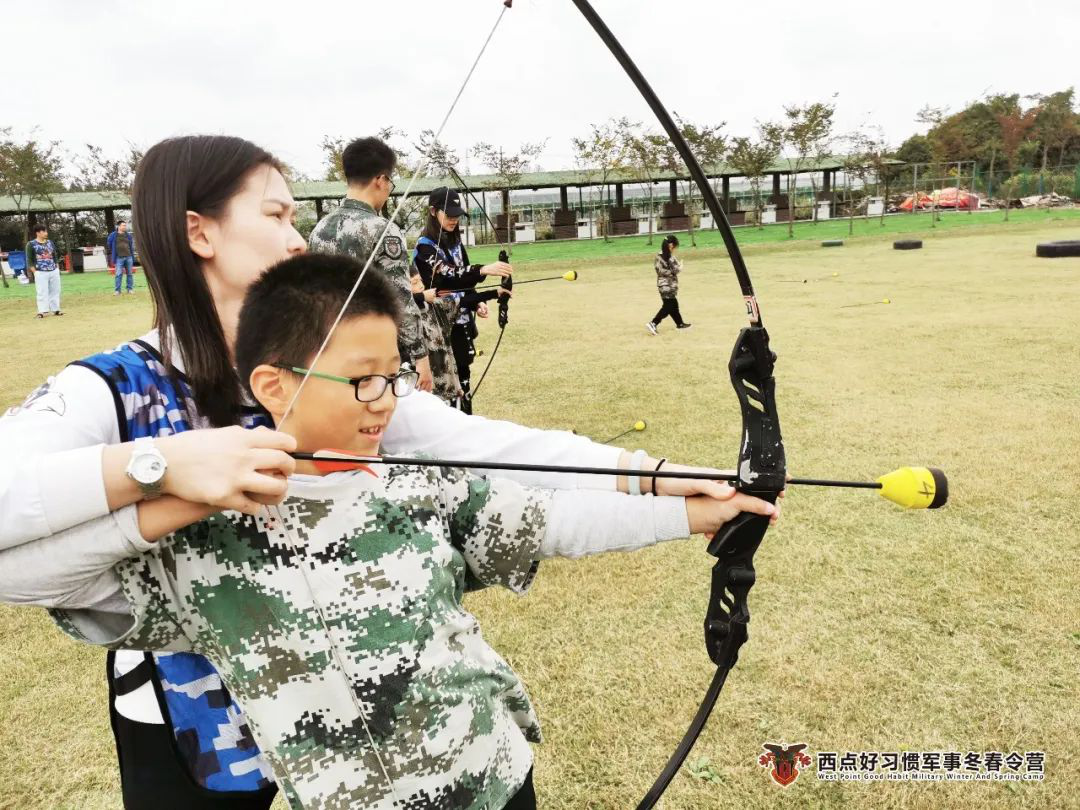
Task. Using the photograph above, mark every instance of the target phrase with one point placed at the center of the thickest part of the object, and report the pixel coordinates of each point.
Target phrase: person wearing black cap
(443, 263)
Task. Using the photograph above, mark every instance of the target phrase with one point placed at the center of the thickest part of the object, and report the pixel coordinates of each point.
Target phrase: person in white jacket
(165, 414)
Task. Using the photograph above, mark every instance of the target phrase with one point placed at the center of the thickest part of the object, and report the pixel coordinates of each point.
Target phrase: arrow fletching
(915, 487)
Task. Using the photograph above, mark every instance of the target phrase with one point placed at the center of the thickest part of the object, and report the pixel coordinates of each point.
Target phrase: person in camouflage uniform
(354, 230)
(667, 268)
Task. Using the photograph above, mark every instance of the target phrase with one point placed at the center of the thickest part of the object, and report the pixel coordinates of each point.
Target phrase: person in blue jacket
(121, 249)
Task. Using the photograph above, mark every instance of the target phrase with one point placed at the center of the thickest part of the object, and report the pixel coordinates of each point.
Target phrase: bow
(761, 468)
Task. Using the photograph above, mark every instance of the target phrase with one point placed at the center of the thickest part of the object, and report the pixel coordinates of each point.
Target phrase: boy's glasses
(369, 387)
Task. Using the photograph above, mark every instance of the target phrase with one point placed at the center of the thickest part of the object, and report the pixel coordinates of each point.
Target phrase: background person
(121, 249)
(355, 227)
(667, 282)
(41, 264)
(443, 263)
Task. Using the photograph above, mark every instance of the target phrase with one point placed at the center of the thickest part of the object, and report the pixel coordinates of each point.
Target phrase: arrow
(639, 426)
(910, 487)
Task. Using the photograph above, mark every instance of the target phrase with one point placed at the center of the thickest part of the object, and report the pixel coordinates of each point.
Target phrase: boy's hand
(707, 514)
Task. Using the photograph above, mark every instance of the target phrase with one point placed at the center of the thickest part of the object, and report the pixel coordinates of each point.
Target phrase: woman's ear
(273, 388)
(198, 239)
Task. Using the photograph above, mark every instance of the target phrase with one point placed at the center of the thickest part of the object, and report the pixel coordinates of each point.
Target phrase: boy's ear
(273, 389)
(198, 240)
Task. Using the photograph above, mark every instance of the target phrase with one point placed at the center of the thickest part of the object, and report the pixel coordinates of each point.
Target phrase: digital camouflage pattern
(667, 275)
(437, 319)
(338, 624)
(352, 230)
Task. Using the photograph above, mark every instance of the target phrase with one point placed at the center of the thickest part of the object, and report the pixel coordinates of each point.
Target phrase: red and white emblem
(785, 762)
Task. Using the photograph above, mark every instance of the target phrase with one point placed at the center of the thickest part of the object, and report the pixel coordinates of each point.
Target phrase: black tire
(1054, 250)
(833, 243)
(907, 244)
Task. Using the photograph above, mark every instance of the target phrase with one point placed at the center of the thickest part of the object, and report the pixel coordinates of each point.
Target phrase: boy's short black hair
(366, 158)
(289, 310)
(40, 228)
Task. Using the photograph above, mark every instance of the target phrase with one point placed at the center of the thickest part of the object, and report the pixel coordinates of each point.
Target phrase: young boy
(336, 619)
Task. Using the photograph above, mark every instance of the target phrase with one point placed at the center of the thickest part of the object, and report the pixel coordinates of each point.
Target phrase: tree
(1055, 123)
(872, 153)
(508, 168)
(96, 172)
(752, 159)
(855, 165)
(1015, 127)
(30, 170)
(644, 152)
(808, 131)
(603, 153)
(709, 147)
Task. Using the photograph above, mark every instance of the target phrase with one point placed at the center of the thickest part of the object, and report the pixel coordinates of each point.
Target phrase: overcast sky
(284, 74)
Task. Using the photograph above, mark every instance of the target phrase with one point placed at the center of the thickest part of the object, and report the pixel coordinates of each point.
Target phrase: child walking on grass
(336, 618)
(667, 281)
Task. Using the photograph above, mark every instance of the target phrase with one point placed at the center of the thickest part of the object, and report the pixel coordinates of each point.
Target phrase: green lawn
(978, 221)
(873, 628)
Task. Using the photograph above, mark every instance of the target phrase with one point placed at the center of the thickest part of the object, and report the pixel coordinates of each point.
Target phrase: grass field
(873, 629)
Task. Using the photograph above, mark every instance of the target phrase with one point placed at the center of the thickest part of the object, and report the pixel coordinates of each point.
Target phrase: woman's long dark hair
(665, 246)
(198, 173)
(444, 239)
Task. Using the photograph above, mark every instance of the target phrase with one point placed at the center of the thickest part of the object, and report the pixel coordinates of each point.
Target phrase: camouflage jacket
(437, 319)
(353, 229)
(667, 275)
(338, 624)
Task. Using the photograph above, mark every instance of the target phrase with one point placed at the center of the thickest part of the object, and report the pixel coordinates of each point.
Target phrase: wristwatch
(147, 468)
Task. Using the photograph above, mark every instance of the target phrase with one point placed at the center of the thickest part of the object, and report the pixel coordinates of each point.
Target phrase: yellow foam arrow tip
(639, 425)
(915, 487)
(570, 275)
(886, 301)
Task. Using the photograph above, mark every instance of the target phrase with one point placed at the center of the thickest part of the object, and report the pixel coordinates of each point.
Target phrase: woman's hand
(416, 283)
(230, 468)
(482, 310)
(496, 269)
(707, 514)
(429, 296)
(505, 292)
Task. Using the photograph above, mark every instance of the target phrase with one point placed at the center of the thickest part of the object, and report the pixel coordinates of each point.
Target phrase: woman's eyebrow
(287, 204)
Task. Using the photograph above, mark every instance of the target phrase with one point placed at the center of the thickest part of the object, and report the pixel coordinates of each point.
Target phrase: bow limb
(761, 469)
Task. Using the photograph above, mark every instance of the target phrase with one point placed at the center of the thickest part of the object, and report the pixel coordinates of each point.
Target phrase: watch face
(147, 469)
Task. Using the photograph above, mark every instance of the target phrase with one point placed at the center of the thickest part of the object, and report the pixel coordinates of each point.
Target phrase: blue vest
(212, 734)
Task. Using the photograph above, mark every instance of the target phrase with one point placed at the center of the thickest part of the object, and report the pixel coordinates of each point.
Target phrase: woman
(451, 304)
(667, 281)
(443, 263)
(165, 414)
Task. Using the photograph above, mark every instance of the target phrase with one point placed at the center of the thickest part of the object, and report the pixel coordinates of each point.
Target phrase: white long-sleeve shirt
(50, 451)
